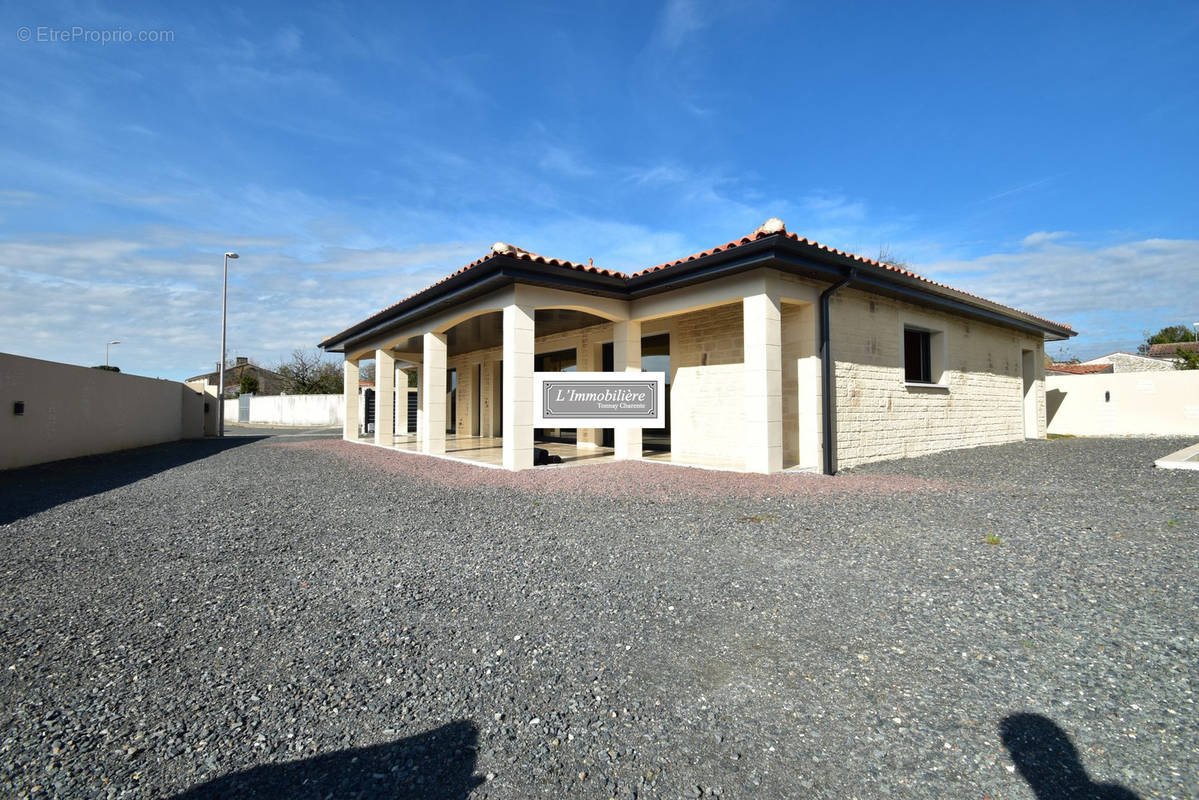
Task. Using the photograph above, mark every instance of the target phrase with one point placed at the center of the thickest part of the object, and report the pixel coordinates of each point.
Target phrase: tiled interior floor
(489, 450)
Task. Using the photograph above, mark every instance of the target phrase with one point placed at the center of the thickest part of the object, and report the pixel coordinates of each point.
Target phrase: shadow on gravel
(28, 490)
(1047, 760)
(438, 765)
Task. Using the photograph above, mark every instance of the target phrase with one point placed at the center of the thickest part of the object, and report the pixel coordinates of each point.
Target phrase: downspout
(826, 371)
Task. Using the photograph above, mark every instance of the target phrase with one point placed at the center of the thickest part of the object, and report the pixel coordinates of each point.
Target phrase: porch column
(420, 405)
(432, 439)
(585, 359)
(762, 326)
(811, 448)
(518, 387)
(385, 375)
(626, 357)
(349, 428)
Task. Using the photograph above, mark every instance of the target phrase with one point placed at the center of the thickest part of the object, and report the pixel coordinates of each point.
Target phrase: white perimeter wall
(75, 411)
(292, 409)
(1129, 403)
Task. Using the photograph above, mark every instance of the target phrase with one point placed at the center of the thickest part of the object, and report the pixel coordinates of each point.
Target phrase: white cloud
(1042, 237)
(828, 207)
(1110, 293)
(158, 292)
(680, 20)
(17, 197)
(289, 40)
(564, 162)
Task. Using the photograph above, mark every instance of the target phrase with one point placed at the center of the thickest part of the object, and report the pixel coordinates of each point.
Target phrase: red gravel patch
(640, 479)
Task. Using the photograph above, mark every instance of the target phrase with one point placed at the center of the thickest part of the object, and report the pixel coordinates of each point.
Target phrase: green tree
(1186, 359)
(249, 384)
(309, 372)
(1170, 334)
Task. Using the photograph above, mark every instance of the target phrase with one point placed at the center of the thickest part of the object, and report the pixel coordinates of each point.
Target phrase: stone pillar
(518, 387)
(626, 357)
(587, 359)
(762, 326)
(350, 426)
(385, 398)
(420, 404)
(432, 390)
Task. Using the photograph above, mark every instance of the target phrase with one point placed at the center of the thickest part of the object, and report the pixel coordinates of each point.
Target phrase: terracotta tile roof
(1166, 350)
(1080, 369)
(772, 227)
(775, 227)
(498, 249)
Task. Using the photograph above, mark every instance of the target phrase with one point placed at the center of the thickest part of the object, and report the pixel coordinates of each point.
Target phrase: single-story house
(1171, 350)
(1132, 362)
(269, 381)
(1079, 369)
(780, 353)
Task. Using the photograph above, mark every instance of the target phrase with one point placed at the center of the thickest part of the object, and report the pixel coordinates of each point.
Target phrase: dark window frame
(917, 355)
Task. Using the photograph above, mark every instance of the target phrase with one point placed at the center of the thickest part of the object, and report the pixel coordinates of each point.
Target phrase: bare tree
(309, 372)
(888, 256)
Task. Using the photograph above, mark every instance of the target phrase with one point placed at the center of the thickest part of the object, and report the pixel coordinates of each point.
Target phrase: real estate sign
(599, 399)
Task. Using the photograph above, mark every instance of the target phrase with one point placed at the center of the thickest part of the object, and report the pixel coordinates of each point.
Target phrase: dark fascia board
(336, 343)
(810, 261)
(495, 273)
(778, 252)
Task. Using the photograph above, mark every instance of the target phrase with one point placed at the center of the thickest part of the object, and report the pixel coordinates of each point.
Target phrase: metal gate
(368, 421)
(243, 407)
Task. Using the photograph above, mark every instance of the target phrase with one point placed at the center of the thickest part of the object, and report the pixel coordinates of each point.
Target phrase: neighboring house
(269, 381)
(1132, 362)
(1170, 350)
(780, 353)
(1079, 369)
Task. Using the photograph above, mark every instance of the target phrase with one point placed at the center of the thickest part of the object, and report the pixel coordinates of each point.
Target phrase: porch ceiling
(487, 330)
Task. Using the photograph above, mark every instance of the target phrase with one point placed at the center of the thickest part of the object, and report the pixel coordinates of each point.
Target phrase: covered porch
(488, 451)
(739, 355)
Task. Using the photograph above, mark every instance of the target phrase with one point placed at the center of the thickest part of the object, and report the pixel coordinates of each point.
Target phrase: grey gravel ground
(279, 617)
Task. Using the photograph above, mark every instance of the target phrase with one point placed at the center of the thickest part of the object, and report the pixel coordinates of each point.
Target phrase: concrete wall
(211, 406)
(1146, 403)
(75, 411)
(292, 409)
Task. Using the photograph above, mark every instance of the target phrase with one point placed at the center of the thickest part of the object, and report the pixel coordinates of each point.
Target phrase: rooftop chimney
(772, 225)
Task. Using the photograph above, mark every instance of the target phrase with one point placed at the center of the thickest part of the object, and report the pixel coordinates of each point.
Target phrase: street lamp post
(106, 346)
(221, 380)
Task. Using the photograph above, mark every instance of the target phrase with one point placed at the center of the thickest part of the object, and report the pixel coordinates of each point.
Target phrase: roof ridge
(772, 227)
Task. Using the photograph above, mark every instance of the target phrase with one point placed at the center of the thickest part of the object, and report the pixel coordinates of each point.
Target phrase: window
(917, 356)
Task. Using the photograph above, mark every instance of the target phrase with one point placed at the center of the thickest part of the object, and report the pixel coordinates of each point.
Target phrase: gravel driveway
(283, 617)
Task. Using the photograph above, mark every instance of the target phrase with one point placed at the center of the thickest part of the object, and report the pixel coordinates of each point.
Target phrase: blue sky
(1042, 155)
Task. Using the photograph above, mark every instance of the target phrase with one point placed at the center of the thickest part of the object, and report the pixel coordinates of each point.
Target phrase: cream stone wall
(707, 394)
(980, 399)
(802, 446)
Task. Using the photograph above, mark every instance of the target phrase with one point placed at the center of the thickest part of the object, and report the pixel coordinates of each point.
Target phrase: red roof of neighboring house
(1160, 350)
(1080, 369)
(772, 227)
